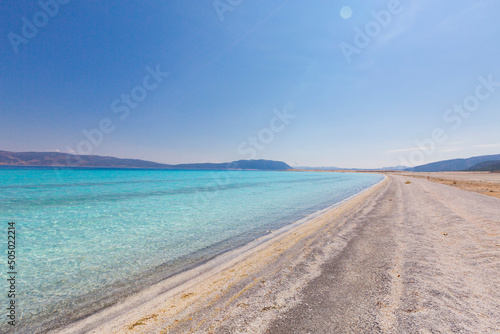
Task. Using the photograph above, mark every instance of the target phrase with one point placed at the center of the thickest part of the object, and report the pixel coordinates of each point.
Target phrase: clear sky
(311, 83)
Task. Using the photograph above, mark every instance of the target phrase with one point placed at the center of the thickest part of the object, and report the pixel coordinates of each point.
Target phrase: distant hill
(56, 159)
(240, 164)
(486, 166)
(71, 160)
(454, 165)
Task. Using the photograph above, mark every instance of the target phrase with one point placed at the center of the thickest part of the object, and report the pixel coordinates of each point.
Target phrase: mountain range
(57, 159)
(455, 164)
(479, 163)
(492, 166)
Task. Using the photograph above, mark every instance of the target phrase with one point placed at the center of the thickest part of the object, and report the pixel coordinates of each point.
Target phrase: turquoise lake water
(87, 237)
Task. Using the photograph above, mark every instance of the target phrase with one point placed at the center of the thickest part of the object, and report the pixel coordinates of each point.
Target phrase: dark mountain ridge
(454, 165)
(57, 159)
(486, 166)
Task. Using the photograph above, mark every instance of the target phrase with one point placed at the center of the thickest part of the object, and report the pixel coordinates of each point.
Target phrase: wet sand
(418, 257)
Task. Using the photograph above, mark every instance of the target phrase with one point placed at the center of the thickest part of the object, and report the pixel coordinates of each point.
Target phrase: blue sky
(233, 66)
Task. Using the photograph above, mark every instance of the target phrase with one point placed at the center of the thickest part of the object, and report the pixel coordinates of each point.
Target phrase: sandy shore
(399, 258)
(481, 182)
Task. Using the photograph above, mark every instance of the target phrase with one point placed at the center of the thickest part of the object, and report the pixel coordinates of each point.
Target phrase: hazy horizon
(344, 84)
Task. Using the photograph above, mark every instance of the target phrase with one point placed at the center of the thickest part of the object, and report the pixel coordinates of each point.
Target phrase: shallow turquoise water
(86, 237)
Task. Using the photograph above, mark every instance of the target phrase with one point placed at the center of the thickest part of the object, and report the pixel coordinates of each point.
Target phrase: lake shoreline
(404, 256)
(130, 313)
